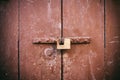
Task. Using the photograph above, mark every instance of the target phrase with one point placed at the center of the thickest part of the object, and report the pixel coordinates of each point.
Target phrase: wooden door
(84, 18)
(80, 18)
(22, 21)
(8, 39)
(39, 19)
(112, 50)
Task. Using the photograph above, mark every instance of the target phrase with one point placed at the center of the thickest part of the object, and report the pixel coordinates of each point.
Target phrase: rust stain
(82, 40)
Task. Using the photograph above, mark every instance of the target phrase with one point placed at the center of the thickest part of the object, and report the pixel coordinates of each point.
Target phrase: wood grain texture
(8, 39)
(112, 39)
(39, 18)
(84, 18)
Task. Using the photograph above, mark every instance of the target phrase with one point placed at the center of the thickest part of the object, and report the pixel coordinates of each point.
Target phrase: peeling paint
(59, 25)
(111, 42)
(92, 54)
(30, 2)
(49, 11)
(51, 54)
(91, 69)
(67, 63)
(51, 62)
(116, 37)
(34, 64)
(109, 63)
(98, 69)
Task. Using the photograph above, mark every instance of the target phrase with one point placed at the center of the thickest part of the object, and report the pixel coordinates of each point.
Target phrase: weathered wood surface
(8, 39)
(112, 40)
(84, 18)
(42, 18)
(39, 18)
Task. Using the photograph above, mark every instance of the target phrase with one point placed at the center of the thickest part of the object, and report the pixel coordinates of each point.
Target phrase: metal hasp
(51, 40)
(66, 44)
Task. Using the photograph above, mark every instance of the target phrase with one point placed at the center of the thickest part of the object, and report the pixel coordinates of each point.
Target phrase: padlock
(66, 44)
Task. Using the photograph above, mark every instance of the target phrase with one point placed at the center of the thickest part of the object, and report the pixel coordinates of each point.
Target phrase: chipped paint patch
(59, 25)
(49, 11)
(93, 54)
(116, 37)
(91, 69)
(111, 42)
(109, 63)
(30, 2)
(50, 56)
(51, 62)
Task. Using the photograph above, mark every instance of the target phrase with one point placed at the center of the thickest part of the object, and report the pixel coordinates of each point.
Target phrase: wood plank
(113, 39)
(8, 39)
(39, 19)
(84, 18)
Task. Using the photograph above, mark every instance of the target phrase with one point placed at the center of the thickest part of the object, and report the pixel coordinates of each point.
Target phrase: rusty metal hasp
(65, 42)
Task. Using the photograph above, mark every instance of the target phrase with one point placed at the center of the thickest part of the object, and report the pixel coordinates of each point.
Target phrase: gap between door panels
(104, 39)
(18, 39)
(62, 65)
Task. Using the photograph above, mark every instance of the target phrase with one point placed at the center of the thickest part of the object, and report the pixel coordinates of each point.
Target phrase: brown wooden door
(39, 18)
(22, 21)
(112, 51)
(51, 18)
(84, 18)
(8, 40)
